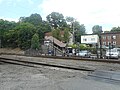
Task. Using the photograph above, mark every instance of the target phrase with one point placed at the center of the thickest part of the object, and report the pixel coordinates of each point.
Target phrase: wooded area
(27, 30)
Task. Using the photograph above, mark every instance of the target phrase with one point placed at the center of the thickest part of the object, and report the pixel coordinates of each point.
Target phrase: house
(110, 38)
(107, 39)
(90, 39)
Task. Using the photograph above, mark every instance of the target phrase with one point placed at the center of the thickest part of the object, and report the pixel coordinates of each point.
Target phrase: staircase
(46, 49)
(55, 41)
(55, 45)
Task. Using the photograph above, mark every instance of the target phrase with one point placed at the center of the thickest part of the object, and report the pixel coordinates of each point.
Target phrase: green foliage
(42, 29)
(97, 29)
(20, 34)
(56, 20)
(56, 34)
(79, 29)
(80, 46)
(4, 27)
(115, 29)
(61, 35)
(25, 32)
(10, 39)
(70, 19)
(34, 19)
(66, 35)
(73, 46)
(35, 44)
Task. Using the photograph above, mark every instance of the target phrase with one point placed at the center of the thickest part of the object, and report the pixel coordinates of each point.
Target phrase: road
(16, 77)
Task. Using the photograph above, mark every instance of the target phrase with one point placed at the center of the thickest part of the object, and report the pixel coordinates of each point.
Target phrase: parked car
(84, 53)
(113, 53)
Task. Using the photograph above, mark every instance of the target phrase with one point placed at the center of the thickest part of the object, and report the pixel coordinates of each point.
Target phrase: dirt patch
(11, 51)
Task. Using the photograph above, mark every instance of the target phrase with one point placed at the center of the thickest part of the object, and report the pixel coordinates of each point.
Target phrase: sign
(89, 39)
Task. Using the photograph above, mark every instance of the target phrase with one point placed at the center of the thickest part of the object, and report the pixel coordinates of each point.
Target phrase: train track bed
(57, 70)
(68, 63)
(33, 63)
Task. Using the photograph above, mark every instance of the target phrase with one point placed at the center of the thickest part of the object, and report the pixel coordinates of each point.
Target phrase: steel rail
(72, 58)
(32, 64)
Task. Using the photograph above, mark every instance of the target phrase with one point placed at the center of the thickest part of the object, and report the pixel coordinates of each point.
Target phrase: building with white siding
(90, 39)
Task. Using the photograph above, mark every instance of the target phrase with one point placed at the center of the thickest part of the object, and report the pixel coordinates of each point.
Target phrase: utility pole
(97, 50)
(100, 46)
(0, 38)
(73, 32)
(0, 43)
(53, 47)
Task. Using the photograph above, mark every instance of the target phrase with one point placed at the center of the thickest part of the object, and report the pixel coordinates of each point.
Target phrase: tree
(25, 32)
(10, 39)
(35, 44)
(56, 20)
(66, 35)
(115, 29)
(34, 19)
(70, 19)
(70, 22)
(4, 27)
(42, 29)
(56, 34)
(79, 29)
(97, 29)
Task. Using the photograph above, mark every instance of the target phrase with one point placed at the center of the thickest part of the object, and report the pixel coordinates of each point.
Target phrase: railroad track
(37, 64)
(73, 58)
(115, 78)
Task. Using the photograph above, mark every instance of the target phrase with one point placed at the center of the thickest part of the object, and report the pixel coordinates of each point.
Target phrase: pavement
(15, 77)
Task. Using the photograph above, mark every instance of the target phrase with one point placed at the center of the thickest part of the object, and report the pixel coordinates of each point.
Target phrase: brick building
(111, 38)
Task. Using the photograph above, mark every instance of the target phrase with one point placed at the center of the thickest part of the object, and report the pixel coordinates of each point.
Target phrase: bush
(35, 42)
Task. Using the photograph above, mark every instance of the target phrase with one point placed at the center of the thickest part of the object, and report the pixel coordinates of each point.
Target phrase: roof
(56, 41)
(50, 33)
(110, 33)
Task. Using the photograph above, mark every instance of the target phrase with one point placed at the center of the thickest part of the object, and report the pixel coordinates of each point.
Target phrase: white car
(113, 53)
(84, 53)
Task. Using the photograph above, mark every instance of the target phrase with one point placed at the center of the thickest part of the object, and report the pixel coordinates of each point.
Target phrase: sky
(105, 13)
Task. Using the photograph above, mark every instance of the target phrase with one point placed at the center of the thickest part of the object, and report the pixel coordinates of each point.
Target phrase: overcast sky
(88, 12)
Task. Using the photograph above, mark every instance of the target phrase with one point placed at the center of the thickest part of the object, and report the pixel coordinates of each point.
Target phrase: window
(92, 39)
(84, 39)
(104, 37)
(104, 43)
(46, 43)
(114, 37)
(109, 43)
(114, 42)
(109, 37)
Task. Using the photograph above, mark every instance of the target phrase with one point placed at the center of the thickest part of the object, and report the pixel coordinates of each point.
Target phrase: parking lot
(16, 77)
